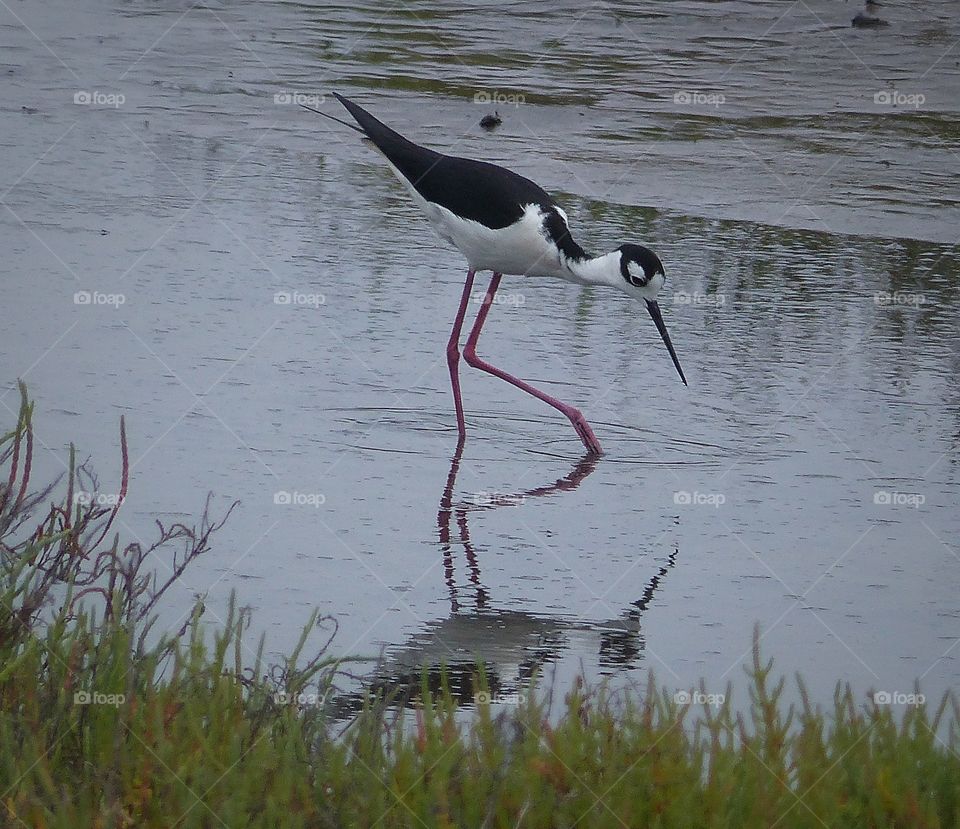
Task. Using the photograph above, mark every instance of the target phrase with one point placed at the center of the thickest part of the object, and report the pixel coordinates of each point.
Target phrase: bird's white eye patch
(637, 276)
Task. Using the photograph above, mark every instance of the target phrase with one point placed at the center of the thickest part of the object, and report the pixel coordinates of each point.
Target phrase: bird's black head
(638, 266)
(643, 277)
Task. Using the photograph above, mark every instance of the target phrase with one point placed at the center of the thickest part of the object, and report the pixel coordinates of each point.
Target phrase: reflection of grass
(100, 728)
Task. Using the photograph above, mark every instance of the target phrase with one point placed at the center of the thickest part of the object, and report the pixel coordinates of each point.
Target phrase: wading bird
(505, 223)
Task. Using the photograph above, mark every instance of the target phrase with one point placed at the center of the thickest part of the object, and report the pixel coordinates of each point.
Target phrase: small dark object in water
(489, 122)
(867, 19)
(863, 21)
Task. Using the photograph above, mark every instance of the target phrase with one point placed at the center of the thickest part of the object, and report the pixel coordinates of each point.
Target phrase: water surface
(807, 478)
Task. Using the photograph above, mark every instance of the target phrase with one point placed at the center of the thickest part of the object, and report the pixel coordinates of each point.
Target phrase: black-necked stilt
(505, 223)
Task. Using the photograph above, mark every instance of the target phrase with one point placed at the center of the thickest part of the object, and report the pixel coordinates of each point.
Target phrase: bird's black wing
(477, 190)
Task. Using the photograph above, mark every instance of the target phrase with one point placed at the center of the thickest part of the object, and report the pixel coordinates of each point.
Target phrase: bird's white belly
(520, 248)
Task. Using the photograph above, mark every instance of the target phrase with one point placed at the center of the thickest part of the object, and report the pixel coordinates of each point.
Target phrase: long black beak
(657, 317)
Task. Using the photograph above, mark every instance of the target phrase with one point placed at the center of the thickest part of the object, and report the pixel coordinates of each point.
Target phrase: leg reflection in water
(448, 511)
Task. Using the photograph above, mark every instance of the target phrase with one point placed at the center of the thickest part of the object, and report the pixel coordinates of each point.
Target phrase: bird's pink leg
(453, 354)
(470, 355)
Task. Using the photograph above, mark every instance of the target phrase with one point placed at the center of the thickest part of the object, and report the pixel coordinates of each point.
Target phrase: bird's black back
(486, 193)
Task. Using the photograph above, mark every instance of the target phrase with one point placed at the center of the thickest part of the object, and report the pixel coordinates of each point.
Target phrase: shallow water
(807, 479)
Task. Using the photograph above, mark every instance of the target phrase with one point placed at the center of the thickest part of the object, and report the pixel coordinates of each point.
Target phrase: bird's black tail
(378, 132)
(413, 161)
(374, 129)
(354, 127)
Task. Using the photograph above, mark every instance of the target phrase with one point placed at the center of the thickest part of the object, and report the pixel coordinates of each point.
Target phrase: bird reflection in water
(511, 646)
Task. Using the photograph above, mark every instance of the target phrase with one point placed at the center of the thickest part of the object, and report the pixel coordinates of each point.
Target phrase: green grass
(183, 730)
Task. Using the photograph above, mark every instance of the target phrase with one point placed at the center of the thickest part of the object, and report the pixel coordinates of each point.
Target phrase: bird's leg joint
(453, 353)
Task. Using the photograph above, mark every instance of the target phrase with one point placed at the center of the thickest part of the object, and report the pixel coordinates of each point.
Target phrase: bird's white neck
(605, 270)
(600, 270)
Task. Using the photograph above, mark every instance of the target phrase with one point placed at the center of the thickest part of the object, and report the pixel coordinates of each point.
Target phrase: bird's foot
(584, 431)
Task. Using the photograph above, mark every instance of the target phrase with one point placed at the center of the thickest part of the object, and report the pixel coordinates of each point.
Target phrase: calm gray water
(798, 178)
